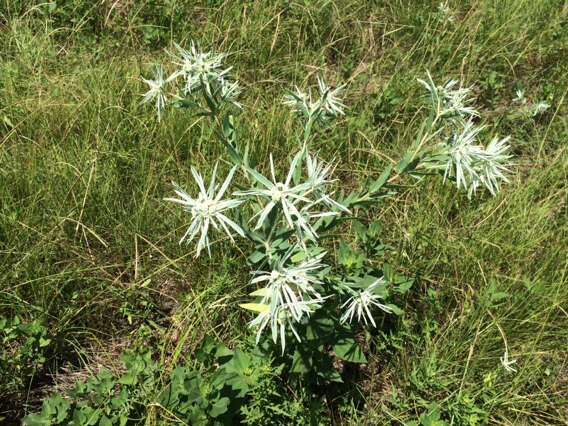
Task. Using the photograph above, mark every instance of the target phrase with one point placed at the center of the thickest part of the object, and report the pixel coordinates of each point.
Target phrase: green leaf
(349, 350)
(105, 421)
(255, 307)
(405, 286)
(298, 257)
(37, 420)
(220, 407)
(261, 292)
(44, 342)
(240, 361)
(395, 309)
(403, 163)
(256, 257)
(185, 103)
(387, 272)
(233, 154)
(223, 351)
(301, 362)
(128, 379)
(360, 229)
(361, 282)
(376, 185)
(229, 128)
(499, 296)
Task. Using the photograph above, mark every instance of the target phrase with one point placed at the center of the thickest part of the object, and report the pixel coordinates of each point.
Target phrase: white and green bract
(156, 89)
(280, 319)
(492, 166)
(289, 294)
(207, 209)
(539, 108)
(446, 100)
(325, 108)
(520, 96)
(285, 196)
(318, 175)
(361, 302)
(291, 284)
(229, 92)
(329, 99)
(506, 362)
(472, 165)
(198, 67)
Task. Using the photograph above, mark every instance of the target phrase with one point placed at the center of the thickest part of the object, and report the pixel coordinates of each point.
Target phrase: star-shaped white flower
(207, 209)
(157, 90)
(361, 302)
(505, 362)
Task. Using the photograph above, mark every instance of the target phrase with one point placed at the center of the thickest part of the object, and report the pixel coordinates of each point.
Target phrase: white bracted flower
(198, 66)
(329, 99)
(472, 165)
(520, 96)
(464, 155)
(284, 195)
(207, 209)
(291, 284)
(445, 11)
(289, 294)
(491, 168)
(279, 319)
(448, 101)
(361, 302)
(539, 108)
(318, 175)
(297, 202)
(229, 92)
(300, 102)
(157, 90)
(506, 362)
(325, 108)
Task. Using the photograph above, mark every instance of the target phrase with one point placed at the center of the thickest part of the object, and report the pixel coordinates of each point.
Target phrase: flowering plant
(304, 290)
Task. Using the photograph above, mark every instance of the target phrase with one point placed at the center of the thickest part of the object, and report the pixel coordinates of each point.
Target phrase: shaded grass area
(84, 169)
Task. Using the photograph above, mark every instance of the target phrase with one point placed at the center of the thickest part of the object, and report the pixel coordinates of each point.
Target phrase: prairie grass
(88, 247)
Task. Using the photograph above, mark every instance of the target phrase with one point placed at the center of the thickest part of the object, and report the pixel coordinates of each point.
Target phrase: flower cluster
(296, 202)
(198, 68)
(207, 209)
(157, 89)
(289, 210)
(361, 302)
(289, 292)
(202, 73)
(530, 108)
(473, 165)
(327, 106)
(449, 102)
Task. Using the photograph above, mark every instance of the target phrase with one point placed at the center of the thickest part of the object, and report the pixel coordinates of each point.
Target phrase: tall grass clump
(364, 218)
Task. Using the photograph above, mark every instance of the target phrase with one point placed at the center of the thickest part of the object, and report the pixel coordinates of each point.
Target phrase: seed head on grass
(207, 209)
